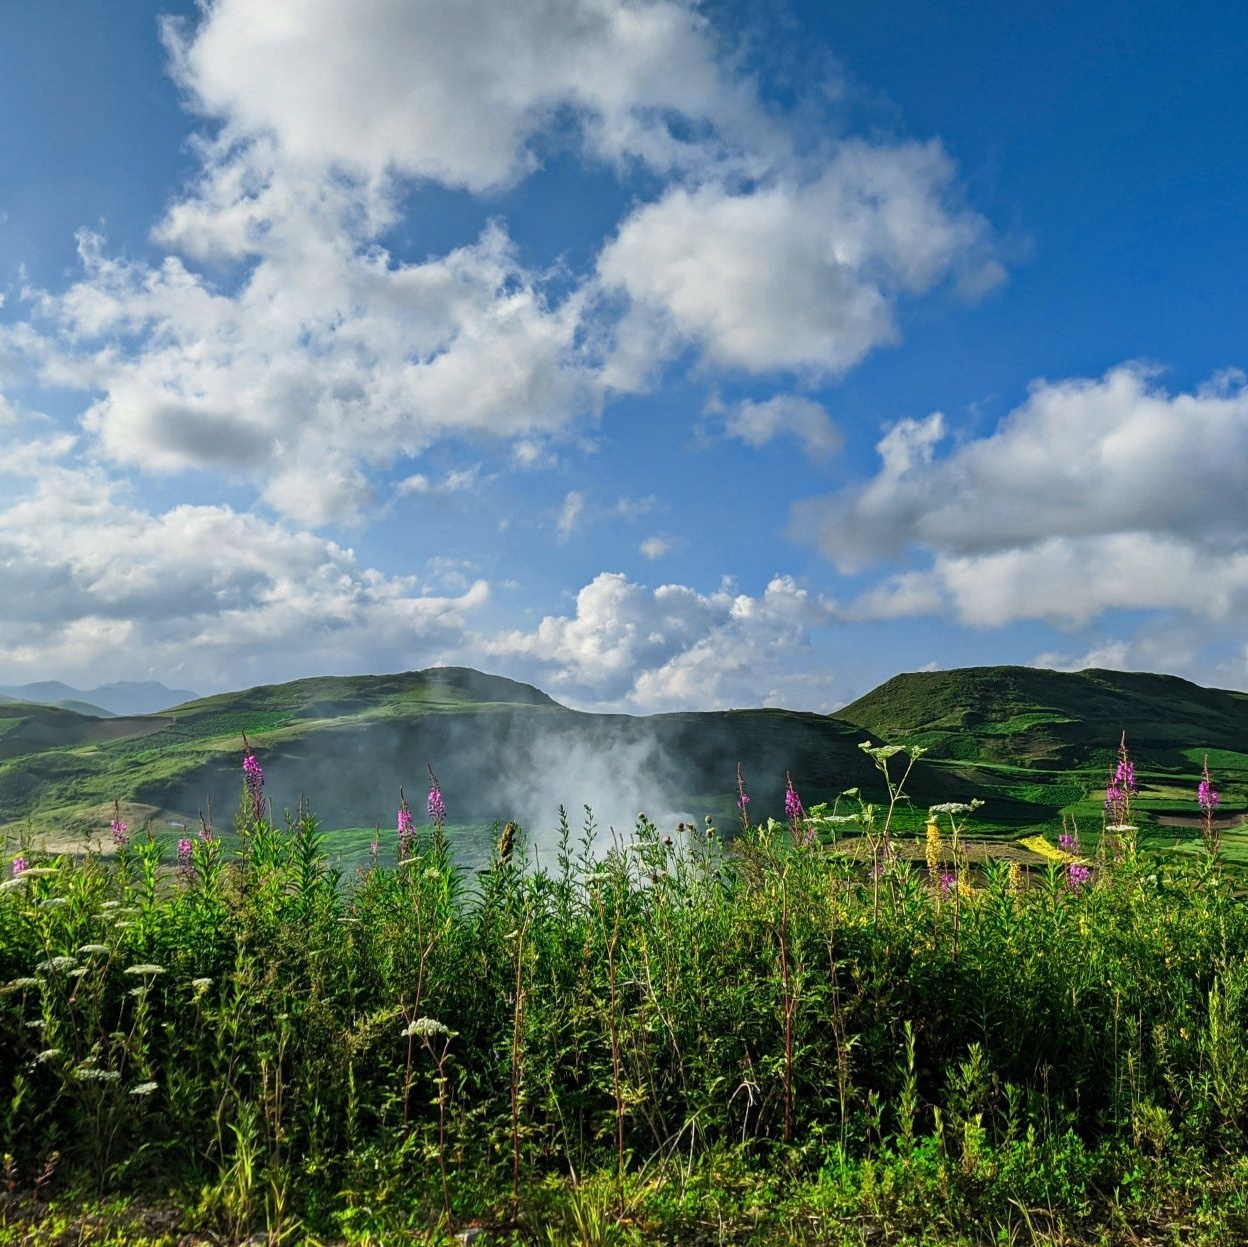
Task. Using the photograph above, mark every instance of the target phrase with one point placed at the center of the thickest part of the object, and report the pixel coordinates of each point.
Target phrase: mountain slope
(1031, 717)
(1030, 743)
(500, 749)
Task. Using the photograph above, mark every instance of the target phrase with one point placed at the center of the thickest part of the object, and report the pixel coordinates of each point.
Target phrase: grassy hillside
(501, 749)
(1029, 743)
(58, 767)
(1040, 734)
(1048, 719)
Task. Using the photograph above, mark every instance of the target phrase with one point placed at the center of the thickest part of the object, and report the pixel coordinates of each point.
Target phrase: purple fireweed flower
(407, 829)
(1077, 875)
(1066, 842)
(1207, 799)
(19, 865)
(185, 850)
(947, 882)
(119, 832)
(1206, 794)
(437, 807)
(253, 778)
(793, 808)
(1120, 787)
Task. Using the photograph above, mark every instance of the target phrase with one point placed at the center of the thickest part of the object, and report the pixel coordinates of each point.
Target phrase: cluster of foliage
(685, 1033)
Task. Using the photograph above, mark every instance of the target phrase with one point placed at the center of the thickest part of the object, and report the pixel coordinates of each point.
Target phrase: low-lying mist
(524, 762)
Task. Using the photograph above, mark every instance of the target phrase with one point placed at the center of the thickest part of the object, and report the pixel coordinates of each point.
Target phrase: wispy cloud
(569, 513)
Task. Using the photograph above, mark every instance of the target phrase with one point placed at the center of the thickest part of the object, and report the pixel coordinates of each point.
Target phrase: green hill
(1031, 717)
(1034, 734)
(501, 749)
(1029, 743)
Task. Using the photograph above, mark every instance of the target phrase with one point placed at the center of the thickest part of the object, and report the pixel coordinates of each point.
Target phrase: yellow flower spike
(933, 847)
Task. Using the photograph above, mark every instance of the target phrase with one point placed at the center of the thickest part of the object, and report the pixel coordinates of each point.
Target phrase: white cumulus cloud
(628, 645)
(97, 587)
(798, 274)
(327, 362)
(461, 93)
(1093, 495)
(1080, 457)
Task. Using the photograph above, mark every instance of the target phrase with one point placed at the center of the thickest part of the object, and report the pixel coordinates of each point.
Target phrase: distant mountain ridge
(123, 697)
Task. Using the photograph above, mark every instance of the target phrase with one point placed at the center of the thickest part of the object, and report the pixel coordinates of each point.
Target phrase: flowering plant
(1207, 799)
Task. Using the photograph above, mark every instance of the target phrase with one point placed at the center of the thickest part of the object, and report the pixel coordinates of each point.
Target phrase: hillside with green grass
(500, 749)
(1046, 719)
(1031, 744)
(1051, 737)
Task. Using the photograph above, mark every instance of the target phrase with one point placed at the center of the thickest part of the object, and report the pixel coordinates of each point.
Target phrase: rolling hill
(1030, 743)
(1046, 736)
(1046, 719)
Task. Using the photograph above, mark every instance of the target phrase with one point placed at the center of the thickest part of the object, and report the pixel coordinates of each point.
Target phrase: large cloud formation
(276, 345)
(1093, 495)
(279, 341)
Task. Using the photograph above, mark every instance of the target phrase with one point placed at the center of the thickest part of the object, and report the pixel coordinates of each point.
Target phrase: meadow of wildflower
(791, 1032)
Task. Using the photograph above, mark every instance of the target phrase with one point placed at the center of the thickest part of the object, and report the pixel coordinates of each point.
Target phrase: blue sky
(663, 355)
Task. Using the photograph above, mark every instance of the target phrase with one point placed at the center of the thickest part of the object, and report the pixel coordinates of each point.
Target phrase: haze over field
(665, 355)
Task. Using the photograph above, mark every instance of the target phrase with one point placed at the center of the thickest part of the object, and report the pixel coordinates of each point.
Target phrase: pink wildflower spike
(437, 807)
(407, 827)
(1206, 794)
(793, 807)
(253, 778)
(1207, 799)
